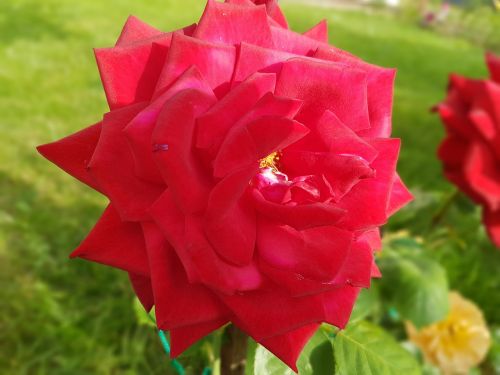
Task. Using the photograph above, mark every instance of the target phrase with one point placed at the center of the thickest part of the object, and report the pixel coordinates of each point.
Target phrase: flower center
(271, 161)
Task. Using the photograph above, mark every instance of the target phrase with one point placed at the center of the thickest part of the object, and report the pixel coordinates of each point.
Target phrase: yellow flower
(457, 343)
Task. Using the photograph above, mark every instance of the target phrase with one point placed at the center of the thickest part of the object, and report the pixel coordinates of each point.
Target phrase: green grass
(61, 317)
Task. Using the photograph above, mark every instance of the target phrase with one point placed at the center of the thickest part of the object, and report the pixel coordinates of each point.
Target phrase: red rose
(248, 169)
(471, 150)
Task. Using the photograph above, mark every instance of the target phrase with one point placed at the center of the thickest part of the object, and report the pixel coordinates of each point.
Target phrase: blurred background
(72, 317)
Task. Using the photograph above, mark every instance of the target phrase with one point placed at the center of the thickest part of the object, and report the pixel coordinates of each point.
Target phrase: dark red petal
(492, 222)
(481, 172)
(115, 243)
(298, 216)
(136, 30)
(139, 131)
(400, 196)
(112, 167)
(213, 126)
(143, 290)
(367, 203)
(494, 66)
(357, 268)
(129, 73)
(288, 347)
(178, 303)
(317, 83)
(230, 223)
(232, 24)
(248, 144)
(319, 32)
(183, 337)
(214, 61)
(380, 83)
(198, 257)
(316, 253)
(73, 153)
(173, 136)
(338, 305)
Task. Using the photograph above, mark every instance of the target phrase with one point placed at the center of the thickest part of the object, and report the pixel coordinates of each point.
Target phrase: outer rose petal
(289, 41)
(130, 196)
(274, 11)
(494, 66)
(178, 303)
(373, 192)
(380, 83)
(357, 267)
(214, 61)
(492, 222)
(319, 32)
(136, 30)
(315, 253)
(129, 73)
(173, 134)
(232, 24)
(400, 196)
(183, 337)
(288, 347)
(140, 130)
(323, 82)
(115, 243)
(73, 153)
(143, 290)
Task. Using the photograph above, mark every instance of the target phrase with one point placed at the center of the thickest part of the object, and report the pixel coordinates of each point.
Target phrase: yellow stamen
(271, 161)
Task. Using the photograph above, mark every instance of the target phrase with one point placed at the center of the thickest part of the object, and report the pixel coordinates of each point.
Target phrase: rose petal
(213, 126)
(136, 30)
(115, 243)
(143, 290)
(139, 131)
(174, 132)
(316, 253)
(319, 32)
(129, 73)
(112, 163)
(367, 202)
(232, 24)
(325, 87)
(400, 196)
(230, 218)
(214, 61)
(494, 66)
(73, 153)
(290, 41)
(288, 346)
(183, 337)
(248, 144)
(178, 303)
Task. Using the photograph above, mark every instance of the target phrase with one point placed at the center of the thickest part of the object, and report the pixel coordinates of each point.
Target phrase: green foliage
(364, 348)
(414, 284)
(316, 359)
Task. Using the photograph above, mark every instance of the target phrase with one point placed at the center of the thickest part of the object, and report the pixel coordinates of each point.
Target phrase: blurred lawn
(61, 317)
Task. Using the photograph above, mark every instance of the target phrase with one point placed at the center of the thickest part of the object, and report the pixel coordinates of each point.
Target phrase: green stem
(233, 351)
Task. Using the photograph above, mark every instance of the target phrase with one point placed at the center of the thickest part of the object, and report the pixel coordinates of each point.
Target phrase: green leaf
(366, 349)
(316, 359)
(367, 304)
(417, 287)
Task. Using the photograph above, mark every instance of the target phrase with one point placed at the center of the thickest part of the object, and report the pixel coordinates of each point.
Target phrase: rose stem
(233, 351)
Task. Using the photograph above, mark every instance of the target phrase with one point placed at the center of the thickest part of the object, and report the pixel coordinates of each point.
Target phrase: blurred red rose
(248, 169)
(471, 150)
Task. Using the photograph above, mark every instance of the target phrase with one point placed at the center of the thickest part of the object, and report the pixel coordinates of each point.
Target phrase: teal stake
(175, 364)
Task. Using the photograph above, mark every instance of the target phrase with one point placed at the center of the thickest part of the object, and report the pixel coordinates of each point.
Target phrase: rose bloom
(471, 150)
(248, 169)
(457, 343)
